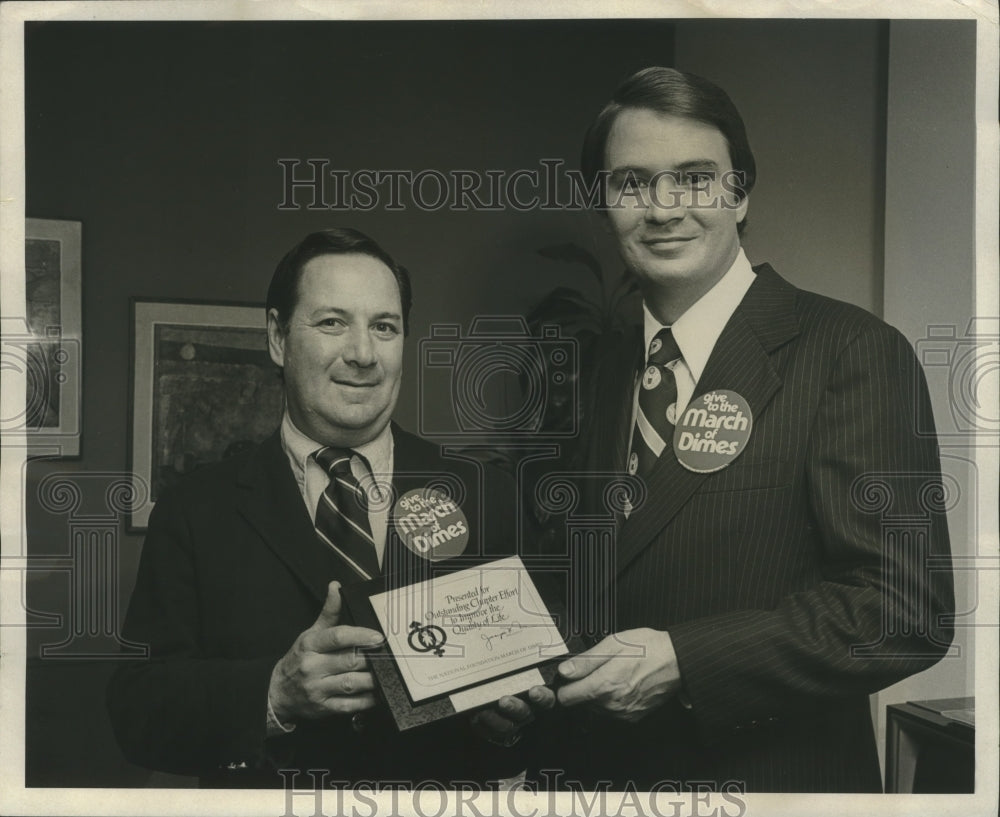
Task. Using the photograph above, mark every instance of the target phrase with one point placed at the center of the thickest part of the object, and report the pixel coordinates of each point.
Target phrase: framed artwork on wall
(48, 344)
(203, 389)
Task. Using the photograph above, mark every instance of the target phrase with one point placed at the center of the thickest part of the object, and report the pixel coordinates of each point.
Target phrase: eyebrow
(691, 164)
(336, 310)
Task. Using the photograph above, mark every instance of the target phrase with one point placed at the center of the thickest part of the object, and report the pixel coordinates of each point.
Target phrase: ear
(275, 338)
(742, 208)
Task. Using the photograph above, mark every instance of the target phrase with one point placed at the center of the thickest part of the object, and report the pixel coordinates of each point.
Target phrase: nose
(668, 201)
(359, 350)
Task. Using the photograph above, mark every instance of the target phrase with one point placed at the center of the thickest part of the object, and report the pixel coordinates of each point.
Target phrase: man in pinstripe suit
(759, 600)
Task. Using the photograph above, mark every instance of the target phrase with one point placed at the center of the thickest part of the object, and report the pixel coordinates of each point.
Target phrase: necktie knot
(663, 348)
(335, 461)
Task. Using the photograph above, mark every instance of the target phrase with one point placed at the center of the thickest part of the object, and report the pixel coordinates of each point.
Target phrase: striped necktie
(655, 419)
(342, 514)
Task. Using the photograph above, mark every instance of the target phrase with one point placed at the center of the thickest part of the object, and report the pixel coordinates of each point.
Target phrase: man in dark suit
(761, 589)
(254, 666)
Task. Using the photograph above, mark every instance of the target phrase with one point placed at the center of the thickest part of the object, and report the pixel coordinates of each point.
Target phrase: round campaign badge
(713, 431)
(651, 379)
(431, 524)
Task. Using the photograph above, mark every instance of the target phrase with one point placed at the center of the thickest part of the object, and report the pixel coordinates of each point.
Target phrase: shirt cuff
(274, 726)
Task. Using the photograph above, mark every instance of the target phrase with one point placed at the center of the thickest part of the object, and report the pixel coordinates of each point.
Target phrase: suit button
(754, 724)
(359, 722)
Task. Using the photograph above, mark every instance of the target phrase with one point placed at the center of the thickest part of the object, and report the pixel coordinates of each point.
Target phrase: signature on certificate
(504, 632)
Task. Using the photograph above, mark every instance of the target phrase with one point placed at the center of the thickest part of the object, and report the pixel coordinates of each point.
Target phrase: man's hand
(626, 676)
(323, 673)
(502, 723)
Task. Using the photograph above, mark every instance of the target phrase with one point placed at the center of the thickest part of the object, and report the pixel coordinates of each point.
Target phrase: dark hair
(668, 91)
(282, 294)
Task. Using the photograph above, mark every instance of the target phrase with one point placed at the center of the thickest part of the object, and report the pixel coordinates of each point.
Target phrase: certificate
(460, 640)
(467, 627)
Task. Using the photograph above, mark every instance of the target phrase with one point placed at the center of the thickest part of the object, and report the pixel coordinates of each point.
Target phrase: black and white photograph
(477, 408)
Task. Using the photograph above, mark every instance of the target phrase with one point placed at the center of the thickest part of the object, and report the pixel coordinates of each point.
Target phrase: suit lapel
(615, 383)
(271, 502)
(740, 362)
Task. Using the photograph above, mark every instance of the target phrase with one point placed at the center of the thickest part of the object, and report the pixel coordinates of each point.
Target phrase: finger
(329, 616)
(580, 666)
(541, 698)
(324, 664)
(514, 709)
(347, 684)
(492, 724)
(341, 637)
(346, 705)
(589, 688)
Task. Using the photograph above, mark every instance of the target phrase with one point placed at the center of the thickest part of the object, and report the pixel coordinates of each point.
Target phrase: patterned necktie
(342, 514)
(655, 419)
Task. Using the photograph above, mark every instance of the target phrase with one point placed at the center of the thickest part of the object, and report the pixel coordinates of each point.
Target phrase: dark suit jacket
(809, 573)
(231, 573)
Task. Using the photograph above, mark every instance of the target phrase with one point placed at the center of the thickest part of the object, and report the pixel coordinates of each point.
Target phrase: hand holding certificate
(461, 640)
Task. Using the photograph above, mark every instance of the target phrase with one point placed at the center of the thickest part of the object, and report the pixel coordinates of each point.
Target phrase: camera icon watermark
(498, 380)
(48, 421)
(966, 368)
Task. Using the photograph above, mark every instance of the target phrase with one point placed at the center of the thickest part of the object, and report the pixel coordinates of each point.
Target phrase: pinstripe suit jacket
(809, 573)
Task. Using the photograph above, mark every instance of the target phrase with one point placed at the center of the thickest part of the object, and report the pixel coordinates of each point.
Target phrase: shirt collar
(300, 448)
(698, 329)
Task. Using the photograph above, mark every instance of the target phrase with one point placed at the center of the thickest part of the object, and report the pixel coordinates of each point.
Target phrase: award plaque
(458, 641)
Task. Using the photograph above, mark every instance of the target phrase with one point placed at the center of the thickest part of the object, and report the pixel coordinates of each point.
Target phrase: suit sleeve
(182, 711)
(880, 610)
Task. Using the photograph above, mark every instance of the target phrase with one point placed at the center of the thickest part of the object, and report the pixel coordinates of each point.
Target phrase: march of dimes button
(431, 524)
(713, 431)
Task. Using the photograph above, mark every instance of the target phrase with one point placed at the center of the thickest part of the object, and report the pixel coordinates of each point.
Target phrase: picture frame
(203, 389)
(51, 340)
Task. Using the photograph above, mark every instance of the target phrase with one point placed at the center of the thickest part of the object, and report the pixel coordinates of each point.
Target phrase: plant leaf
(574, 254)
(561, 302)
(627, 284)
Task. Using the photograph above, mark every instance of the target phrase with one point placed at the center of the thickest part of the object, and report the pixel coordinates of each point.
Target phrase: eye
(627, 181)
(386, 329)
(698, 178)
(633, 183)
(331, 323)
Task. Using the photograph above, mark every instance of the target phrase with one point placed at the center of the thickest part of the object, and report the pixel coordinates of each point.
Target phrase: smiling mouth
(667, 241)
